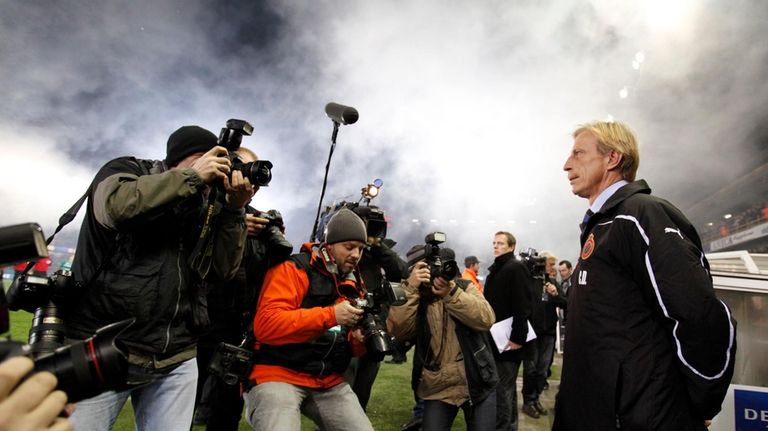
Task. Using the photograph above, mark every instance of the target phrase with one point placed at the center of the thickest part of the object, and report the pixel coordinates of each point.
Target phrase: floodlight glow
(624, 93)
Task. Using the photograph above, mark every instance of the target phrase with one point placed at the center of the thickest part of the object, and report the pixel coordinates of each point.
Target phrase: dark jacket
(232, 303)
(508, 288)
(378, 258)
(546, 308)
(649, 345)
(132, 255)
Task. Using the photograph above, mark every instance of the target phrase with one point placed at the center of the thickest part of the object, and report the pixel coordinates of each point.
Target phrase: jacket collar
(501, 260)
(635, 187)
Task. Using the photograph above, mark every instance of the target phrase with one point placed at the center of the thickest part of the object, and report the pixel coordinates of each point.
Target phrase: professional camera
(536, 264)
(378, 342)
(258, 172)
(273, 236)
(372, 216)
(84, 369)
(439, 266)
(232, 364)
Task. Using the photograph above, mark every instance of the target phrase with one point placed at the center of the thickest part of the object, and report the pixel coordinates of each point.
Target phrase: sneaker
(539, 408)
(412, 425)
(530, 410)
(546, 386)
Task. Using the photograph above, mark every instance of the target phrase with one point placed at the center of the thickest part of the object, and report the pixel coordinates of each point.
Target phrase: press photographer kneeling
(449, 318)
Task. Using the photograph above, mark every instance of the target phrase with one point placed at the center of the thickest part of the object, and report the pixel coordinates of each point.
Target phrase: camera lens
(258, 172)
(47, 331)
(90, 367)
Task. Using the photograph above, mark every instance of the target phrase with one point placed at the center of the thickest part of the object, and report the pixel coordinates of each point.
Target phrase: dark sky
(466, 108)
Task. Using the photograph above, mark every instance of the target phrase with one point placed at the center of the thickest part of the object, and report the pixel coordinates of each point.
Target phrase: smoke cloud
(466, 108)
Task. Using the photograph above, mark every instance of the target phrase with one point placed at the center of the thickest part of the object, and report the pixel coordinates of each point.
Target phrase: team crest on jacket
(589, 247)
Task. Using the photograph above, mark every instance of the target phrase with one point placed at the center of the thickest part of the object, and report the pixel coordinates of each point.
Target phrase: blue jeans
(167, 403)
(278, 406)
(439, 416)
(506, 395)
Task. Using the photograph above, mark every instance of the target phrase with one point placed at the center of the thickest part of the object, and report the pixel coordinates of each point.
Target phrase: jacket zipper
(178, 298)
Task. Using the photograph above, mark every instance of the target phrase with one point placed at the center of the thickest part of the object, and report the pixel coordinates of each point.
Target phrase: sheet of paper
(501, 330)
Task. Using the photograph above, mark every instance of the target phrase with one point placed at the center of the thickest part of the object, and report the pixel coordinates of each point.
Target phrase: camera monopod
(339, 114)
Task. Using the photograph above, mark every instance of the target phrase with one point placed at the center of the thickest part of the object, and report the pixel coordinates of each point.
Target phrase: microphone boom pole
(339, 114)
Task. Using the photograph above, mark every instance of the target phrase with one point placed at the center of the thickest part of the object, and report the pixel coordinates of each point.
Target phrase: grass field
(389, 407)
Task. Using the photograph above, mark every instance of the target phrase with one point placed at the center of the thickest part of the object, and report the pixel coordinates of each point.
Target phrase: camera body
(372, 216)
(232, 364)
(28, 292)
(378, 342)
(535, 264)
(273, 237)
(258, 172)
(439, 266)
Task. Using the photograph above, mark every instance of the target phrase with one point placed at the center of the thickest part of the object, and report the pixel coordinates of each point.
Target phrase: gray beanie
(345, 226)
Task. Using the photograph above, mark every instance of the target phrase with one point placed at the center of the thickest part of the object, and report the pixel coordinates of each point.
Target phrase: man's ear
(614, 160)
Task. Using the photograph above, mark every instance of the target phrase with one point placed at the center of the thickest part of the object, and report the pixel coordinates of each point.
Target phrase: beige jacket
(448, 381)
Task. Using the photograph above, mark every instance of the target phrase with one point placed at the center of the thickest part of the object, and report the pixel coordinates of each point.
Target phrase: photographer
(546, 299)
(305, 338)
(139, 234)
(231, 305)
(453, 367)
(379, 264)
(32, 404)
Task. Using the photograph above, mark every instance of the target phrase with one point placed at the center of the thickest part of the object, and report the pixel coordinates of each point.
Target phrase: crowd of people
(177, 246)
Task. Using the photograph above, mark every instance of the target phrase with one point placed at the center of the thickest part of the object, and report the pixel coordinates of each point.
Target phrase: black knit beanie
(345, 226)
(186, 141)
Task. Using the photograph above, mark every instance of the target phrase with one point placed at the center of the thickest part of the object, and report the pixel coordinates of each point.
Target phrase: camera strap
(64, 220)
(202, 254)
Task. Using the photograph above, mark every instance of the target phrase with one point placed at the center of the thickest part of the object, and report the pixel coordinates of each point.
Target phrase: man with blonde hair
(651, 346)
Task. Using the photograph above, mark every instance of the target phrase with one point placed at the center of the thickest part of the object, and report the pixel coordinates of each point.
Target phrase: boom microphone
(341, 114)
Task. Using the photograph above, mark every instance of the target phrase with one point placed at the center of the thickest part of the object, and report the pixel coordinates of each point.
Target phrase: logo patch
(589, 247)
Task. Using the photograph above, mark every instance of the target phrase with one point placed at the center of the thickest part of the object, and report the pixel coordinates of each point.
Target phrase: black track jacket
(649, 346)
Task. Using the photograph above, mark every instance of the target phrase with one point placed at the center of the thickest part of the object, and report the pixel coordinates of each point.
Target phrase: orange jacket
(280, 320)
(471, 275)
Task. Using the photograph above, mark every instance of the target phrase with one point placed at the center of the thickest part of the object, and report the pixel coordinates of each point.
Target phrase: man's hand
(34, 404)
(347, 314)
(358, 336)
(213, 165)
(441, 287)
(511, 345)
(255, 224)
(419, 274)
(551, 289)
(239, 190)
